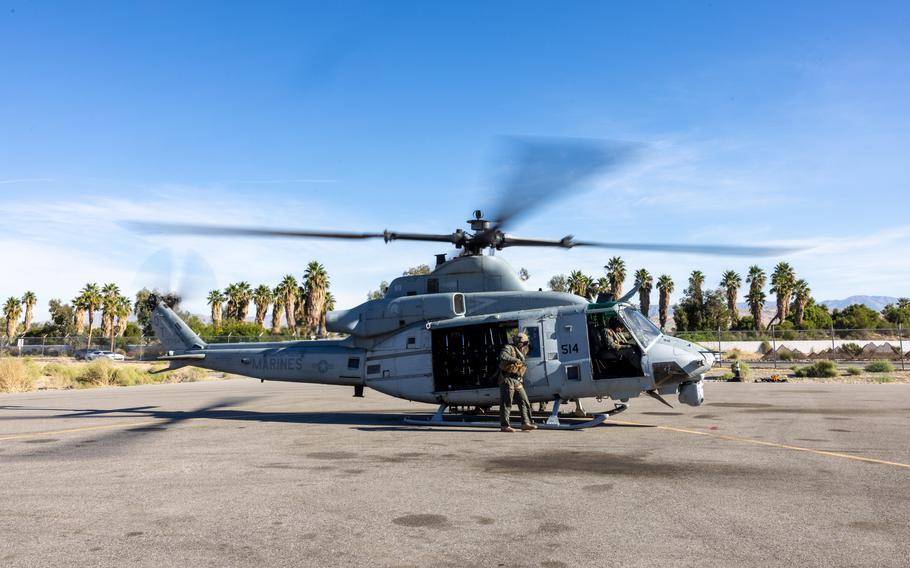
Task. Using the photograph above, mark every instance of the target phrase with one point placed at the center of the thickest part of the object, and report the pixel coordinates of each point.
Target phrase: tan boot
(507, 429)
(528, 427)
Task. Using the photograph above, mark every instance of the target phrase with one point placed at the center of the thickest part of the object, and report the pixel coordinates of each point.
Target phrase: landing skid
(552, 422)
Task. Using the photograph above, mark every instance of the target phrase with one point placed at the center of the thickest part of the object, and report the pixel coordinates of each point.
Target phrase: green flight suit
(511, 386)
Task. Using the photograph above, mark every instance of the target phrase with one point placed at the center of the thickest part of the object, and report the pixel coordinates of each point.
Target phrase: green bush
(785, 356)
(854, 371)
(822, 368)
(102, 373)
(851, 349)
(764, 348)
(881, 366)
(884, 379)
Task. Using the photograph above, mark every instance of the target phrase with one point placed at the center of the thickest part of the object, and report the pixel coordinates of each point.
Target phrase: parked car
(99, 354)
(80, 354)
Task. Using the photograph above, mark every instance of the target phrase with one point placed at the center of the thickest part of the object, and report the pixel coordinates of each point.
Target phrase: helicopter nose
(709, 360)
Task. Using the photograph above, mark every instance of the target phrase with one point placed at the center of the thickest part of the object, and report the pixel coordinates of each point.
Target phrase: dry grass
(18, 375)
(741, 355)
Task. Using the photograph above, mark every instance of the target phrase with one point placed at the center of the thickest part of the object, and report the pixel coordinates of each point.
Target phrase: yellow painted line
(760, 443)
(81, 429)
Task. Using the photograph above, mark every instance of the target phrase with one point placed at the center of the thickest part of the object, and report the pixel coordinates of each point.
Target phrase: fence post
(773, 346)
(900, 341)
(43, 344)
(142, 348)
(720, 353)
(833, 348)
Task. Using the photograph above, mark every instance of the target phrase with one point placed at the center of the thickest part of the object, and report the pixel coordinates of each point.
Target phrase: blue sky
(770, 123)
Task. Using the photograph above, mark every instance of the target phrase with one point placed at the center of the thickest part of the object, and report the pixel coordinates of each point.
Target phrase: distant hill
(874, 302)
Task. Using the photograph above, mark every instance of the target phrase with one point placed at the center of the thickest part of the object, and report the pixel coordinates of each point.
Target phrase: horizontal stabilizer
(187, 357)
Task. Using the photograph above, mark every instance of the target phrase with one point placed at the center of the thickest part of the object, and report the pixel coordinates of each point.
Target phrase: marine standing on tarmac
(512, 369)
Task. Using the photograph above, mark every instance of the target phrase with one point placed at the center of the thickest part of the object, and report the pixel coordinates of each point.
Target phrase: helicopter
(435, 338)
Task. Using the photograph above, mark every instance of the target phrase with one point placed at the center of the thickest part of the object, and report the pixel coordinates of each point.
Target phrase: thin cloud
(25, 180)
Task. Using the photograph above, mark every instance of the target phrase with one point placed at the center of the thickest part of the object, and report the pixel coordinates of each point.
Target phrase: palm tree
(231, 294)
(696, 281)
(644, 281)
(29, 299)
(756, 296)
(289, 290)
(79, 306)
(277, 309)
(316, 283)
(244, 297)
(328, 307)
(731, 283)
(665, 288)
(110, 294)
(11, 311)
(579, 283)
(616, 272)
(91, 298)
(215, 300)
(801, 295)
(122, 311)
(600, 286)
(782, 280)
(262, 297)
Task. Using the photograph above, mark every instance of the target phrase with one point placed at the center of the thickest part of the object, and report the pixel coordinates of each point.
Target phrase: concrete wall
(805, 346)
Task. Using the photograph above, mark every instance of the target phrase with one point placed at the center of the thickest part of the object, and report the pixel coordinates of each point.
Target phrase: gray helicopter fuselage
(436, 338)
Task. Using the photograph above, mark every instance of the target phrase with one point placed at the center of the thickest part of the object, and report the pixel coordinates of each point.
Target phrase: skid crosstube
(439, 419)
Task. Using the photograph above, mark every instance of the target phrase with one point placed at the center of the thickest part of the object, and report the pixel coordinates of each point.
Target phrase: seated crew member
(620, 341)
(511, 383)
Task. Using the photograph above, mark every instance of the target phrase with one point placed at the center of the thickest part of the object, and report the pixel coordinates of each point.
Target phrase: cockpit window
(641, 327)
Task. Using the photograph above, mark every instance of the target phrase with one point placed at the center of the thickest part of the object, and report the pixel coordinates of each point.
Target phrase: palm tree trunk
(79, 321)
(277, 308)
(291, 315)
(28, 316)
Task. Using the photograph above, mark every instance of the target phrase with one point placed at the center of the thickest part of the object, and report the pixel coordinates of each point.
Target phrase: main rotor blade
(720, 250)
(539, 170)
(155, 228)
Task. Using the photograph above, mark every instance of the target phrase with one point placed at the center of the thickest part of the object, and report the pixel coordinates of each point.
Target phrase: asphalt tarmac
(238, 473)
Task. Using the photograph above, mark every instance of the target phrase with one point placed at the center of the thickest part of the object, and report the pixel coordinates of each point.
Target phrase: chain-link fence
(138, 348)
(772, 345)
(784, 345)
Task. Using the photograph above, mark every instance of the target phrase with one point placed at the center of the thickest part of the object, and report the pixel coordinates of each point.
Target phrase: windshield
(641, 327)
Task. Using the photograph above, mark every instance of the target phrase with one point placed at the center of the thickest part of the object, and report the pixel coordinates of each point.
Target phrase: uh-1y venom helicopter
(436, 338)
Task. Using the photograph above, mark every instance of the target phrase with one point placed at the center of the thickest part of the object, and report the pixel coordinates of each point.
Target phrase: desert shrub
(16, 376)
(822, 368)
(98, 373)
(60, 371)
(851, 349)
(884, 379)
(764, 347)
(785, 356)
(854, 371)
(880, 366)
(734, 354)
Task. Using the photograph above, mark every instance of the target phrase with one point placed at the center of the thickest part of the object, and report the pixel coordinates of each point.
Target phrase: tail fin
(172, 331)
